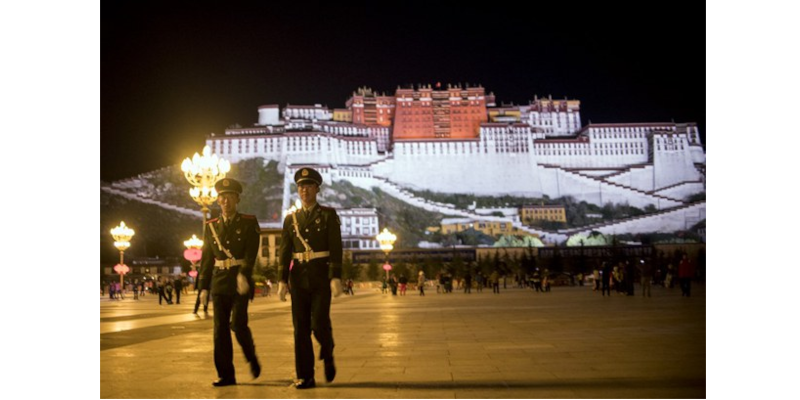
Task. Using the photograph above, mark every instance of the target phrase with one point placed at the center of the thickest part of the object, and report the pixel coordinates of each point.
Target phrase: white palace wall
(620, 162)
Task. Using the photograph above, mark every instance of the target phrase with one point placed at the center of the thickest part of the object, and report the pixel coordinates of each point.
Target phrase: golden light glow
(193, 243)
(386, 240)
(298, 205)
(122, 236)
(203, 172)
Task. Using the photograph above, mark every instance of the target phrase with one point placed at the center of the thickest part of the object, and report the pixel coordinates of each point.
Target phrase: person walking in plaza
(230, 247)
(349, 287)
(178, 289)
(467, 283)
(421, 282)
(607, 278)
(494, 279)
(646, 272)
(393, 284)
(403, 283)
(311, 267)
(685, 275)
(162, 295)
(479, 278)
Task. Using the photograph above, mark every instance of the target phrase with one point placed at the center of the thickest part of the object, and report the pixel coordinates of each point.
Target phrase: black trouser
(686, 287)
(311, 307)
(230, 313)
(197, 303)
(178, 296)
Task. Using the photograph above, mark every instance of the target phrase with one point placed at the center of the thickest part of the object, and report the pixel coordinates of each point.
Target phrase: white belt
(228, 263)
(307, 256)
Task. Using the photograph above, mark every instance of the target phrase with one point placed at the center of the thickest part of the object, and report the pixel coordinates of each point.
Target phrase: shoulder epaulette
(321, 207)
(212, 220)
(248, 216)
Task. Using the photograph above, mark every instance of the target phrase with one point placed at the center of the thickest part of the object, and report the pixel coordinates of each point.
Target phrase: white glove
(204, 297)
(282, 290)
(336, 287)
(241, 285)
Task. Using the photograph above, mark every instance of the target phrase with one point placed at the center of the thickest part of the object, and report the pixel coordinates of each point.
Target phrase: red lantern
(121, 269)
(193, 255)
(387, 267)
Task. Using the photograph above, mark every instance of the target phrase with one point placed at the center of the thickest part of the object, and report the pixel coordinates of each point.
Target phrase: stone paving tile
(516, 345)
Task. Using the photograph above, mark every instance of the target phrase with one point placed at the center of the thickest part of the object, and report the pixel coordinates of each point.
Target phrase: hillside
(406, 221)
(168, 185)
(159, 231)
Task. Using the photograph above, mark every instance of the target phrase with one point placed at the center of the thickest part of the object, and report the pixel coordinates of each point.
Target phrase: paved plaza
(569, 343)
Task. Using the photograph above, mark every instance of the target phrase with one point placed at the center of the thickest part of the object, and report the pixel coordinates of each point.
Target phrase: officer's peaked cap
(307, 175)
(228, 185)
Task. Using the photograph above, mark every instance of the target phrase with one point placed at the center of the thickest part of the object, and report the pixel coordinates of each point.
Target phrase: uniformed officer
(311, 261)
(230, 246)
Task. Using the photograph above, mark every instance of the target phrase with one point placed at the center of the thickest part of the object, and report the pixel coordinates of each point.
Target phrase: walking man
(311, 261)
(230, 246)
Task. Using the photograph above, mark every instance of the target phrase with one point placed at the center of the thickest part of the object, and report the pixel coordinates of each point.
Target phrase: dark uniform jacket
(241, 239)
(322, 232)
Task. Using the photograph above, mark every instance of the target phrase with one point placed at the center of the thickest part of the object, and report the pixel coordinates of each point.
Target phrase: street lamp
(297, 206)
(386, 240)
(193, 253)
(122, 240)
(203, 172)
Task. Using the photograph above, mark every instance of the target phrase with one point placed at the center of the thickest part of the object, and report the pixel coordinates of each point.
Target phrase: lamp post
(203, 172)
(297, 206)
(122, 240)
(193, 253)
(386, 240)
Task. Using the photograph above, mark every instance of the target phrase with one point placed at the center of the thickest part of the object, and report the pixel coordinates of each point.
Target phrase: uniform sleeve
(251, 249)
(335, 245)
(206, 262)
(285, 251)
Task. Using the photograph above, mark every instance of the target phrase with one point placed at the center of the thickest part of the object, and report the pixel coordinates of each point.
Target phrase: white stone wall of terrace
(315, 112)
(507, 211)
(299, 148)
(682, 190)
(557, 182)
(564, 153)
(268, 115)
(672, 160)
(616, 145)
(698, 155)
(641, 178)
(679, 219)
(344, 129)
(131, 196)
(129, 184)
(562, 123)
(481, 174)
(598, 172)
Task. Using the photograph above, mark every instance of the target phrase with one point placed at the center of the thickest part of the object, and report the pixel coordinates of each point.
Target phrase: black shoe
(224, 382)
(255, 368)
(330, 370)
(305, 384)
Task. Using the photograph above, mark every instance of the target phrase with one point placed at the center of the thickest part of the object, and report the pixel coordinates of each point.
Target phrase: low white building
(359, 228)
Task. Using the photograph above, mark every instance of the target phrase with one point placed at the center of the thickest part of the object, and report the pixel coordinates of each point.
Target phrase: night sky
(173, 72)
